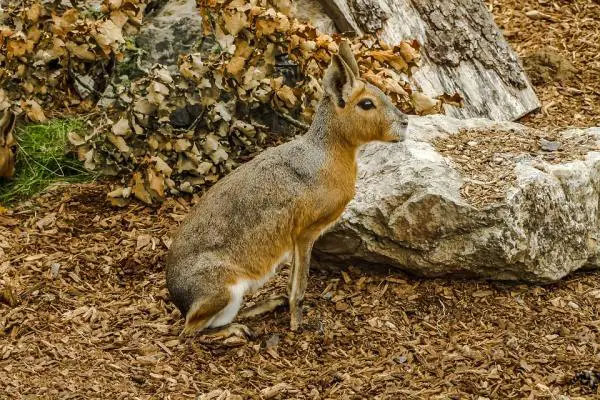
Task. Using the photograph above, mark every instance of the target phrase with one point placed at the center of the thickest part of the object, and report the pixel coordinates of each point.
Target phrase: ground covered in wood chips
(559, 44)
(487, 158)
(84, 313)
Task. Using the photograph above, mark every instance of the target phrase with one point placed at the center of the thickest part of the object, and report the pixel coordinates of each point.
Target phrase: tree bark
(462, 51)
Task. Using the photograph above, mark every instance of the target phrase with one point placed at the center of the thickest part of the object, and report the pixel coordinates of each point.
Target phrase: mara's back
(254, 204)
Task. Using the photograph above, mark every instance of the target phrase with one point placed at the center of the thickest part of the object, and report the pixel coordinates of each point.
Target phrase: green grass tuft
(42, 159)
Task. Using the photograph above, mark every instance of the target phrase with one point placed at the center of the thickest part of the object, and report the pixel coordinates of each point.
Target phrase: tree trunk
(462, 50)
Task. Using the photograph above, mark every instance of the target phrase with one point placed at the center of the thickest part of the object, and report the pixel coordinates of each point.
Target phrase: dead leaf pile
(54, 57)
(256, 84)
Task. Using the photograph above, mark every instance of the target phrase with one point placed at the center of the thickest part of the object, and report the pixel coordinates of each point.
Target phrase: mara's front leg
(299, 279)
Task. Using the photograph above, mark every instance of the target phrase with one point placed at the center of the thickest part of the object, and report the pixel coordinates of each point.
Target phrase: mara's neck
(324, 132)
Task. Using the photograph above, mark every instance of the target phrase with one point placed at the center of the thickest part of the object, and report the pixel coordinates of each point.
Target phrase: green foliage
(42, 159)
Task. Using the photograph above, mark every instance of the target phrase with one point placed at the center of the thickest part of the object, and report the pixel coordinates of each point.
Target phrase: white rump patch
(227, 314)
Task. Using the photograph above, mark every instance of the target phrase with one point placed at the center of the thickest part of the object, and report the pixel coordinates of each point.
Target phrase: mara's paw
(231, 334)
(296, 318)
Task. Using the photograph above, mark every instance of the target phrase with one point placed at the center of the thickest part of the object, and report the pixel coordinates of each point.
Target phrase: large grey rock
(174, 28)
(408, 213)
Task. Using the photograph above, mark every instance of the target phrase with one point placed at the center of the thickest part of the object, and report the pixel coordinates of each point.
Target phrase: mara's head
(362, 112)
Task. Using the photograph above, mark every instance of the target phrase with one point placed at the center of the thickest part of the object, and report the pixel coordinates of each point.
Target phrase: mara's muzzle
(398, 131)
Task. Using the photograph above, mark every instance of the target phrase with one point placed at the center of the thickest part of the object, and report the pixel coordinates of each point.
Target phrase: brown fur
(197, 320)
(7, 144)
(278, 203)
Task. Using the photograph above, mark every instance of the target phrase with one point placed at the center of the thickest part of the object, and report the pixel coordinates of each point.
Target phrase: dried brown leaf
(139, 189)
(156, 183)
(81, 51)
(389, 57)
(235, 22)
(34, 111)
(409, 51)
(121, 127)
(119, 142)
(425, 105)
(109, 36)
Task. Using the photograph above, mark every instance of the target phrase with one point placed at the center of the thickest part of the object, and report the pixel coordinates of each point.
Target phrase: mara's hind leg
(212, 315)
(204, 311)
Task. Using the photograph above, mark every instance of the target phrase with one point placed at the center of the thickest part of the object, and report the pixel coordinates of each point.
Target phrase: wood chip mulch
(84, 314)
(486, 159)
(559, 44)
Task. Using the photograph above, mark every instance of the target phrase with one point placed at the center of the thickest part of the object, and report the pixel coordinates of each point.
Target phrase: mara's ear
(347, 55)
(338, 80)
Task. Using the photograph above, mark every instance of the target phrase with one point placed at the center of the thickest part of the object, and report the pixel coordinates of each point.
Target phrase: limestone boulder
(411, 212)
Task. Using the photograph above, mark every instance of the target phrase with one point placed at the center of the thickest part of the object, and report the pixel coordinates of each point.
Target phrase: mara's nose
(403, 130)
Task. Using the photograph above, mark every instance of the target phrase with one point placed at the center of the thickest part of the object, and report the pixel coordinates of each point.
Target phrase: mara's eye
(366, 104)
